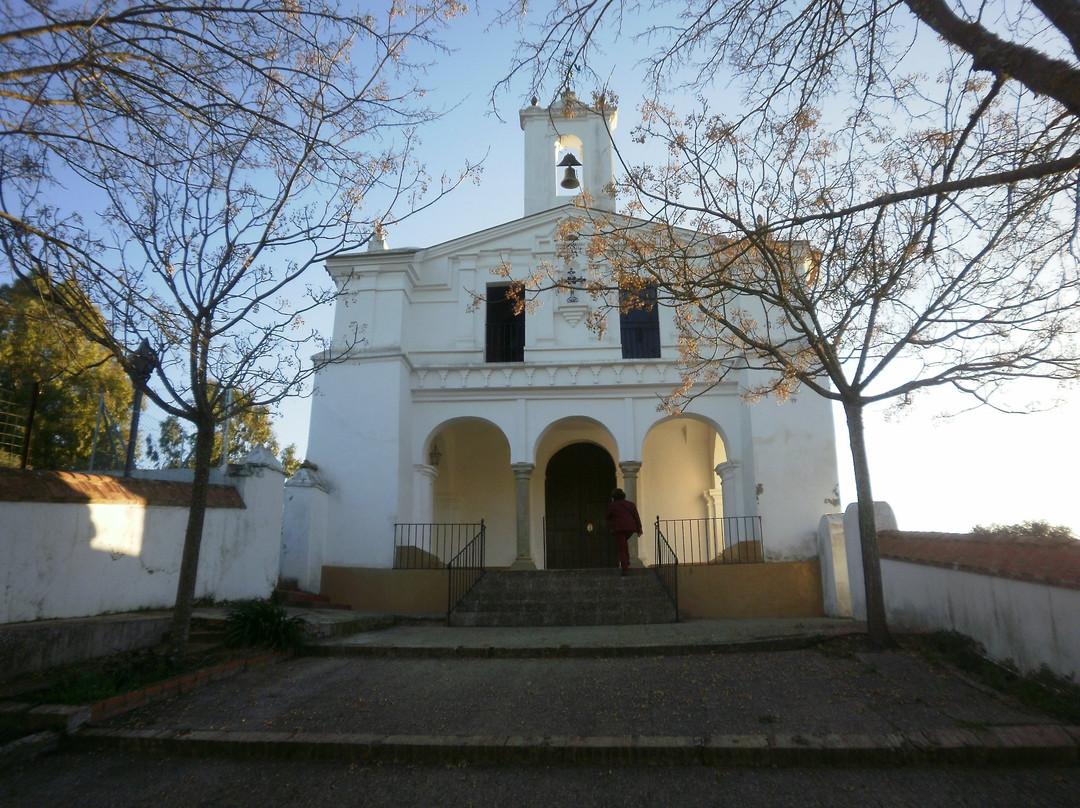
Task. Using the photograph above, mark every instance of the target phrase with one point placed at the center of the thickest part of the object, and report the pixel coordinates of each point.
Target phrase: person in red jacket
(622, 516)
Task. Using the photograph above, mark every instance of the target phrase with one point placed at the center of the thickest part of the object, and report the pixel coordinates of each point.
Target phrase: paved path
(437, 716)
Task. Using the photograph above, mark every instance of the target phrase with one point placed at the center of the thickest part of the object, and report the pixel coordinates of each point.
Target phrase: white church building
(453, 409)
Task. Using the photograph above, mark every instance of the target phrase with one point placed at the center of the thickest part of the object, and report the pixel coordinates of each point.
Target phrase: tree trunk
(877, 628)
(189, 564)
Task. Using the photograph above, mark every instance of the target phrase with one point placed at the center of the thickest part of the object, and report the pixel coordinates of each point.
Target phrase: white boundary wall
(77, 560)
(1028, 624)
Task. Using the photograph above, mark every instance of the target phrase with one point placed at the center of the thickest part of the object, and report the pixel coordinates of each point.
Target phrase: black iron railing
(667, 567)
(640, 340)
(505, 342)
(429, 546)
(465, 569)
(727, 540)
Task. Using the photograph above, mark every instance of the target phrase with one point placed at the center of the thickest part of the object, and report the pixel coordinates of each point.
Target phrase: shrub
(263, 623)
(1031, 528)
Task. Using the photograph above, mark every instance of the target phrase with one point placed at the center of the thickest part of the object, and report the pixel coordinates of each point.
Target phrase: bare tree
(972, 288)
(185, 166)
(787, 58)
(853, 226)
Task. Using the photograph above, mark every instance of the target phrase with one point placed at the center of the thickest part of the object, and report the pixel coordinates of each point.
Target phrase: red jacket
(622, 515)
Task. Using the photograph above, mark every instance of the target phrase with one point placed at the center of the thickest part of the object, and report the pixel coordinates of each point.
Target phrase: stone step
(565, 598)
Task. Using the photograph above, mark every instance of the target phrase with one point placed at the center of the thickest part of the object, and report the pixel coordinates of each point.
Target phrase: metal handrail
(427, 545)
(465, 569)
(667, 568)
(716, 540)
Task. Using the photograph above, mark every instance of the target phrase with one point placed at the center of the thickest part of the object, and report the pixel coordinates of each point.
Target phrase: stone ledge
(1028, 745)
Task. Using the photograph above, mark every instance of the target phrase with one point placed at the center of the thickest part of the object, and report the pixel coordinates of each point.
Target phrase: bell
(569, 180)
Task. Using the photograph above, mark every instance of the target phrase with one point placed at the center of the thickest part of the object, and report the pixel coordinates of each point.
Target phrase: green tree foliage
(38, 345)
(174, 447)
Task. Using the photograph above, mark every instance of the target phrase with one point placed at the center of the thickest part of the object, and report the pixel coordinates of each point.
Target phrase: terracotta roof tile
(69, 487)
(1051, 561)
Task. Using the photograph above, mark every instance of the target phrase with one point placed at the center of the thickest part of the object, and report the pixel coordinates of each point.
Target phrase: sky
(938, 473)
(946, 474)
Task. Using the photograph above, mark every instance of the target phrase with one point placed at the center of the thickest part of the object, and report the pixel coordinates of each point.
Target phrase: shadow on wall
(74, 545)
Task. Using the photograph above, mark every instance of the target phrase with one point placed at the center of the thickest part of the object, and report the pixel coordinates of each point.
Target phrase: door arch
(577, 489)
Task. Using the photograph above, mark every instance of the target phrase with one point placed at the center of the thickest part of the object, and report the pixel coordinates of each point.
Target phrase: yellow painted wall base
(774, 589)
(390, 591)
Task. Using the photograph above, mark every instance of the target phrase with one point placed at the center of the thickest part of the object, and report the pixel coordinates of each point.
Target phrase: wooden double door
(577, 490)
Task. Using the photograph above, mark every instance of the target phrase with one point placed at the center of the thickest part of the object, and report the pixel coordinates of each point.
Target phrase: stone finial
(307, 476)
(261, 457)
(378, 242)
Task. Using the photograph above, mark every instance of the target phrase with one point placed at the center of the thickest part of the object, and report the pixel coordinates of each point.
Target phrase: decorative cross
(572, 280)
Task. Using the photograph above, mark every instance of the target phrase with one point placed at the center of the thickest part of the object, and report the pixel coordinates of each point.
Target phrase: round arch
(431, 440)
(578, 481)
(473, 480)
(572, 429)
(680, 472)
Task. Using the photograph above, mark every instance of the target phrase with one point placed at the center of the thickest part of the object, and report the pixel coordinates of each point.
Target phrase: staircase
(593, 597)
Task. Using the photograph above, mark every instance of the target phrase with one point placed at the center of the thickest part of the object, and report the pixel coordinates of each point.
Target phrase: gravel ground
(837, 688)
(811, 691)
(111, 779)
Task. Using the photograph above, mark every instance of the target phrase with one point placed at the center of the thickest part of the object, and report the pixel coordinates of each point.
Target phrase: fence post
(97, 431)
(34, 388)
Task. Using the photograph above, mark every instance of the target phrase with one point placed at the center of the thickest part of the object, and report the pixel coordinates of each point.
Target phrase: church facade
(453, 408)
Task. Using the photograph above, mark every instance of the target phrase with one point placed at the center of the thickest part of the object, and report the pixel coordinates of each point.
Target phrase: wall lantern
(569, 180)
(434, 456)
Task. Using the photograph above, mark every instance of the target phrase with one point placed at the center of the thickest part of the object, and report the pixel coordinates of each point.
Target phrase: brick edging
(181, 683)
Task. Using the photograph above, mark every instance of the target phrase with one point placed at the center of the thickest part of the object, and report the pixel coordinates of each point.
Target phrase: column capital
(630, 468)
(727, 468)
(425, 470)
(523, 471)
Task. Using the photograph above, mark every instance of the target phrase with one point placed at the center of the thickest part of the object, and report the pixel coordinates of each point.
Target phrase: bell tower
(568, 150)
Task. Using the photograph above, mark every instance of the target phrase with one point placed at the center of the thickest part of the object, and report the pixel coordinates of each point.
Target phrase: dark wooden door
(577, 490)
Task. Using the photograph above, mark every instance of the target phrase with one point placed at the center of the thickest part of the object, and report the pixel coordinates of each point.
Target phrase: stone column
(630, 469)
(714, 527)
(522, 479)
(731, 488)
(424, 493)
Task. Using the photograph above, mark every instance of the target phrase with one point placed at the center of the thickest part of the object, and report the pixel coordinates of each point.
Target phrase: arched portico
(682, 460)
(566, 505)
(472, 481)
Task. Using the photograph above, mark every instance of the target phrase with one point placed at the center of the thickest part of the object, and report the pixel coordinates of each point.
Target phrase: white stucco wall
(795, 473)
(361, 438)
(1026, 623)
(303, 529)
(69, 560)
(886, 520)
(421, 370)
